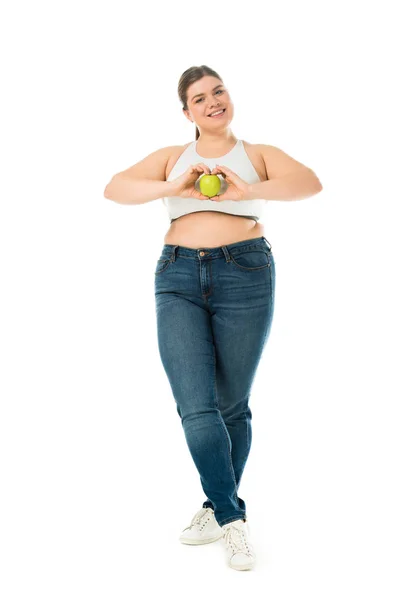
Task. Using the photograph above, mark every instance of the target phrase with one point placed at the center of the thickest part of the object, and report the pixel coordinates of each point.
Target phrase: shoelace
(200, 518)
(237, 540)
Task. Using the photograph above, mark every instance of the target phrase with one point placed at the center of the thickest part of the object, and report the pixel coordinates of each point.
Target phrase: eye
(200, 99)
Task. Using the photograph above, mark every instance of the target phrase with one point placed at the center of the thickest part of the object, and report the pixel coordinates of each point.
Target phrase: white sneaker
(203, 528)
(239, 549)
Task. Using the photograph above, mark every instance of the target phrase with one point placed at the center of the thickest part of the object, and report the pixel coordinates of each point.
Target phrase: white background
(96, 479)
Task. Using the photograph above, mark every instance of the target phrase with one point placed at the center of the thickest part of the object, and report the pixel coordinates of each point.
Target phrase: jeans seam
(272, 287)
(223, 423)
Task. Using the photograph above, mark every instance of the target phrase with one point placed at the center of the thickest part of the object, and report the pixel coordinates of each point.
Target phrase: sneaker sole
(194, 542)
(243, 567)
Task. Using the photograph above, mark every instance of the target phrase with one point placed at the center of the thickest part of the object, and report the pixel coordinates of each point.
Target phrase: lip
(224, 109)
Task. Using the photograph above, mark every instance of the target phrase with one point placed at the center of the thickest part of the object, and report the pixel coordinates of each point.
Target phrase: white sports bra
(237, 160)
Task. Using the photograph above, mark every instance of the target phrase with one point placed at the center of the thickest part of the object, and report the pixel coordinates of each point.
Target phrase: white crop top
(236, 160)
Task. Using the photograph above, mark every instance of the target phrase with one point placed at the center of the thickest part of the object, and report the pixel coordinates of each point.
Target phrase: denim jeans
(214, 310)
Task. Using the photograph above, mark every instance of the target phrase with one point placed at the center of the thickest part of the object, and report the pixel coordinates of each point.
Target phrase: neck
(216, 140)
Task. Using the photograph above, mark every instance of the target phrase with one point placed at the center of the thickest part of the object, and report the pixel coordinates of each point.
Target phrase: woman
(214, 291)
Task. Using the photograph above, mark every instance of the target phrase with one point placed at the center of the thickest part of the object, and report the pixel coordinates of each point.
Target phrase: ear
(187, 115)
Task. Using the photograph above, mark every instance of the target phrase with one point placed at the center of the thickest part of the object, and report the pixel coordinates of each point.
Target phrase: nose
(214, 106)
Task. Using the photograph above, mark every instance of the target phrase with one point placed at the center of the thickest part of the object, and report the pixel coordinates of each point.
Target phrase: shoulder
(277, 162)
(176, 150)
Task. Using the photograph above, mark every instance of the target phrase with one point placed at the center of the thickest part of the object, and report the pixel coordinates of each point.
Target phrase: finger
(226, 170)
(201, 197)
(196, 171)
(220, 171)
(205, 167)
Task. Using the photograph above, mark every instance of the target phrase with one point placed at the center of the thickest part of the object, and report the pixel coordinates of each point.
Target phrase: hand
(237, 189)
(183, 186)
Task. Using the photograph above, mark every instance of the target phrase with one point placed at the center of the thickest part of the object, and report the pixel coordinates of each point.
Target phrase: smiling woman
(245, 170)
(214, 286)
(195, 96)
(212, 222)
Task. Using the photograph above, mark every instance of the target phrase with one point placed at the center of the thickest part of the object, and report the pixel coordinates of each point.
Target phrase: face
(210, 100)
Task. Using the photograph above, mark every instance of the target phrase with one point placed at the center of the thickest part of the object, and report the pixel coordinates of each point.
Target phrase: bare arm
(144, 181)
(288, 179)
(292, 186)
(125, 189)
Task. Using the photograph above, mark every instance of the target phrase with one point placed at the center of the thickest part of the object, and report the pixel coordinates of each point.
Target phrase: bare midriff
(210, 229)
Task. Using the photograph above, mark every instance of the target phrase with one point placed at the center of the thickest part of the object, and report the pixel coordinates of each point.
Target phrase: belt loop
(226, 253)
(264, 238)
(173, 254)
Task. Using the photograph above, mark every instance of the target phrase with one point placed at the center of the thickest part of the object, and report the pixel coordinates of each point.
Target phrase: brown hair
(187, 78)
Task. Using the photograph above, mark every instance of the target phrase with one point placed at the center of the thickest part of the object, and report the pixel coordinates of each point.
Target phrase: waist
(212, 229)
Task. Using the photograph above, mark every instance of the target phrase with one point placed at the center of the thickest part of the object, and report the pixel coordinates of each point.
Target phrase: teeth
(217, 113)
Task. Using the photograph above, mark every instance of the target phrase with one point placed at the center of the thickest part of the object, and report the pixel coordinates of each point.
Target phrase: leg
(241, 324)
(186, 347)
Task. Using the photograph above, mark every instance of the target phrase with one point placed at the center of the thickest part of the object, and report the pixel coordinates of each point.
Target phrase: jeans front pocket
(252, 259)
(162, 264)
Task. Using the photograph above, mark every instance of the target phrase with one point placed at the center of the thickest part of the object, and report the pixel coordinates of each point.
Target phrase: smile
(218, 115)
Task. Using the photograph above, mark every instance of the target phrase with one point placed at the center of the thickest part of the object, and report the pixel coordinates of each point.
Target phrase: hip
(238, 274)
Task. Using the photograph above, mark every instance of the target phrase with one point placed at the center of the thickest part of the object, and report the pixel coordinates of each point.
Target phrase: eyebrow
(217, 86)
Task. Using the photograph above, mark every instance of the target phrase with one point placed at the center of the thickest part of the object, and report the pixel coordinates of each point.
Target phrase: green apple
(210, 185)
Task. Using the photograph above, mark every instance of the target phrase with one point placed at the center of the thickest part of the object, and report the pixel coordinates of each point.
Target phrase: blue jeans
(214, 310)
